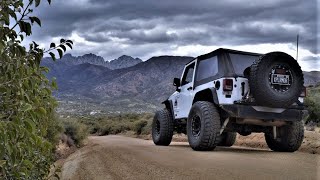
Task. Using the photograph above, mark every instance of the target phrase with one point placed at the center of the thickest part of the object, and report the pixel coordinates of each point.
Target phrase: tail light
(227, 85)
(304, 92)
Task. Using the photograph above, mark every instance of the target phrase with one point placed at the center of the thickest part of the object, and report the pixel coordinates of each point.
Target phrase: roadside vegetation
(139, 124)
(313, 104)
(29, 129)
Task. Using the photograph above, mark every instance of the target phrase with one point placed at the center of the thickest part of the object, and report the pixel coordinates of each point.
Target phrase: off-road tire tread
(291, 142)
(166, 127)
(212, 125)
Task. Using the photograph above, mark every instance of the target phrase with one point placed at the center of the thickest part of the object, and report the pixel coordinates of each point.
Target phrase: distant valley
(88, 84)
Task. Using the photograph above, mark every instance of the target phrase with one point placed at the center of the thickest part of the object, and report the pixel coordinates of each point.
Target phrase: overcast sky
(146, 28)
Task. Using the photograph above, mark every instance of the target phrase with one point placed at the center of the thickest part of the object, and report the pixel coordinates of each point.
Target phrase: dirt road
(117, 157)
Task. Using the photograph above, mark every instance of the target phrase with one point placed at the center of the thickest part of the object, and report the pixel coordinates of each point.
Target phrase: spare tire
(276, 80)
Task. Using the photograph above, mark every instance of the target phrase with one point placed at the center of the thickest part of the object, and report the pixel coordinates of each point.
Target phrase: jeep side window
(207, 68)
(188, 74)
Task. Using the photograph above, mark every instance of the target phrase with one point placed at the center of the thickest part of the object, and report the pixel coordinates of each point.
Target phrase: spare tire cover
(276, 80)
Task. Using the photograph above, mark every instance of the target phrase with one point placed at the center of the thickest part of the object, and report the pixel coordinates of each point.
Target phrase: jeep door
(183, 102)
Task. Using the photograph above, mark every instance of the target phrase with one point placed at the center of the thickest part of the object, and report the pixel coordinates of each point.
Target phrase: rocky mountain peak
(124, 61)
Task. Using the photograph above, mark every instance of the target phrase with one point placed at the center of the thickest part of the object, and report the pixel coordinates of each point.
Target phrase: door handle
(189, 88)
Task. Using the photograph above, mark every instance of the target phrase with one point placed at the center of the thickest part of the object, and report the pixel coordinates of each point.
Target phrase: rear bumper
(265, 113)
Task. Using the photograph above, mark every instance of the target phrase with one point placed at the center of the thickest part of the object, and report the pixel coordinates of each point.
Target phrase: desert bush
(54, 131)
(67, 140)
(313, 104)
(139, 125)
(76, 131)
(115, 124)
(311, 126)
(147, 129)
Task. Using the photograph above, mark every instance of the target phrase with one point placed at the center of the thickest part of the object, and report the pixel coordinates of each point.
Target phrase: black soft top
(222, 51)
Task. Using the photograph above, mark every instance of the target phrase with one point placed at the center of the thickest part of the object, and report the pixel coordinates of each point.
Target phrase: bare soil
(119, 157)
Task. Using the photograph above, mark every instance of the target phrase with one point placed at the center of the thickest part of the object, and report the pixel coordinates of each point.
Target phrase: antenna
(297, 47)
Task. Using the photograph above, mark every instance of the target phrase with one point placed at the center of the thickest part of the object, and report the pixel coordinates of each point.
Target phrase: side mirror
(176, 82)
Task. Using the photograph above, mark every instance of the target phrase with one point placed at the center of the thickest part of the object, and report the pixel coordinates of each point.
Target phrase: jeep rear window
(241, 61)
(207, 68)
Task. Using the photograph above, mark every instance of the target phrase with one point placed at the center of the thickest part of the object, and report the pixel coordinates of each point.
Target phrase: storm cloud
(144, 28)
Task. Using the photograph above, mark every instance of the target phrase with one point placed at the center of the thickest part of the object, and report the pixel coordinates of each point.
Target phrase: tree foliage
(26, 101)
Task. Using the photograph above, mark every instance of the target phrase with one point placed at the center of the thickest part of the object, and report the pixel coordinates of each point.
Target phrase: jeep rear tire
(289, 138)
(162, 128)
(203, 126)
(276, 80)
(228, 139)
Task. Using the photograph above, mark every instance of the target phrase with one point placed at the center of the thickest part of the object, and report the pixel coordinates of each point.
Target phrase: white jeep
(227, 92)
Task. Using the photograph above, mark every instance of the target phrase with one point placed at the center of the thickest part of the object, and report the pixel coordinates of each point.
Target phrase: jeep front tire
(203, 126)
(162, 128)
(289, 137)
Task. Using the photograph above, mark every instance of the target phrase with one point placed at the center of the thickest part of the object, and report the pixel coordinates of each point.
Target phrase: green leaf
(22, 26)
(63, 47)
(54, 84)
(42, 110)
(35, 19)
(12, 13)
(30, 126)
(53, 56)
(62, 41)
(37, 3)
(26, 107)
(2, 163)
(69, 41)
(49, 1)
(52, 45)
(68, 44)
(6, 19)
(28, 29)
(21, 37)
(2, 152)
(60, 53)
(35, 44)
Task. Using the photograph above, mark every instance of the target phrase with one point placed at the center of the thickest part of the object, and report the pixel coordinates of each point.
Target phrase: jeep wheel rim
(280, 78)
(196, 126)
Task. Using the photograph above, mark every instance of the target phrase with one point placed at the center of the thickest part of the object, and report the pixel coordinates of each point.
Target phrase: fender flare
(169, 106)
(213, 93)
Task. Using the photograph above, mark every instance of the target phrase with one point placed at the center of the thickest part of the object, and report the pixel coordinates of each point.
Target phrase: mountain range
(88, 84)
(122, 62)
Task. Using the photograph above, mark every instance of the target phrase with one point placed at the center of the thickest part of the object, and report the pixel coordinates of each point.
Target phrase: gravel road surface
(118, 157)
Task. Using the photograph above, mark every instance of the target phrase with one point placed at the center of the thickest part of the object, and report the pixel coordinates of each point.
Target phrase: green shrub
(115, 124)
(54, 131)
(147, 129)
(27, 125)
(76, 131)
(139, 125)
(313, 104)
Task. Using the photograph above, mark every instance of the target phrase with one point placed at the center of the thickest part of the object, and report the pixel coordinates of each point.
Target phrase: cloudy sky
(146, 28)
